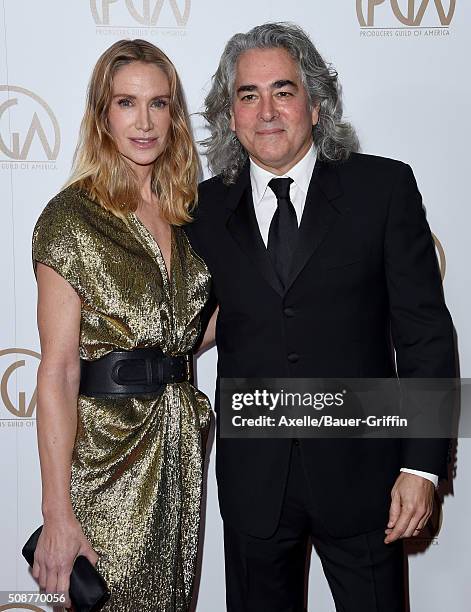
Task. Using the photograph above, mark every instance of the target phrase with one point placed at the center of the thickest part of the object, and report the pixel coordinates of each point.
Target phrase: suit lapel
(321, 210)
(320, 213)
(243, 227)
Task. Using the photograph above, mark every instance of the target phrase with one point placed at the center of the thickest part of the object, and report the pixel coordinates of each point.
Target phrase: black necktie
(283, 229)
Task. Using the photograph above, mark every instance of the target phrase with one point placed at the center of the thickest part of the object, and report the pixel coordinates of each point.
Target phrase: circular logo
(19, 402)
(30, 130)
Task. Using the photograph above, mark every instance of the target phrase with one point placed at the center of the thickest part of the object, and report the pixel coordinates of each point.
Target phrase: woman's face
(139, 114)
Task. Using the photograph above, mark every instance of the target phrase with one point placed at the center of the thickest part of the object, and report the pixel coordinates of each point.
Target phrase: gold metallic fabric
(137, 463)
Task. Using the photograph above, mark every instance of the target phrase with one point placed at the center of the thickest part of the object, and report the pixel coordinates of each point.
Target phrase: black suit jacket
(364, 281)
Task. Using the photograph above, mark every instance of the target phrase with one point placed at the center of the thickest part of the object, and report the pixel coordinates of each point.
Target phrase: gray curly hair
(335, 139)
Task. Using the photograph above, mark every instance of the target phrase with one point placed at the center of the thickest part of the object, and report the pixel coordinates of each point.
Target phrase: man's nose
(268, 110)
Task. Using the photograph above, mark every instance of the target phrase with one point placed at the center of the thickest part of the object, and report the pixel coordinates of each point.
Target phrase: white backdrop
(403, 65)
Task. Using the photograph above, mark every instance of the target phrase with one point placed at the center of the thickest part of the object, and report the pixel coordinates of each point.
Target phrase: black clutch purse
(88, 591)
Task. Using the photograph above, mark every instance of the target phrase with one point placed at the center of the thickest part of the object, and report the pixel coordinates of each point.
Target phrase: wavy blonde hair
(99, 168)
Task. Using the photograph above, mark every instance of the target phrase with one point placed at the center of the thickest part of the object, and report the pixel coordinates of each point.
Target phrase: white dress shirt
(265, 205)
(264, 199)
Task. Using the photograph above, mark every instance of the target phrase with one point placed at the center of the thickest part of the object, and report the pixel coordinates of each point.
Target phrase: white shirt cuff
(432, 477)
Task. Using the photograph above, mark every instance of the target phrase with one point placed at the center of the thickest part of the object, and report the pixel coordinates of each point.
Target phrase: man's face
(270, 110)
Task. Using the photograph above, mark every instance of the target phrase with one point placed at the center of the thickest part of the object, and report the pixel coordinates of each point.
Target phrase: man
(322, 263)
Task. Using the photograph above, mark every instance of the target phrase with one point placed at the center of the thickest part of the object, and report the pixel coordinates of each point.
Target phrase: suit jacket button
(293, 357)
(288, 312)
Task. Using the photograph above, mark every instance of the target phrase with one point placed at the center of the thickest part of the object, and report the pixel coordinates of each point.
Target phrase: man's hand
(411, 506)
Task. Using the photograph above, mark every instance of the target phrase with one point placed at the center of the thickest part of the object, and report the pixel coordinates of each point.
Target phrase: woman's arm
(62, 538)
(210, 333)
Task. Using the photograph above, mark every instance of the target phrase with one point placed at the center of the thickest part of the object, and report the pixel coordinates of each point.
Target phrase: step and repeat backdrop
(404, 66)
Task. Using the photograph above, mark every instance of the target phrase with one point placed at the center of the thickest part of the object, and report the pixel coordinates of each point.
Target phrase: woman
(120, 433)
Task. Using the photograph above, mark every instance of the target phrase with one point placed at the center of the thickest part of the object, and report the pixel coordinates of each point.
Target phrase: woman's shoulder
(73, 212)
(65, 224)
(68, 206)
(60, 232)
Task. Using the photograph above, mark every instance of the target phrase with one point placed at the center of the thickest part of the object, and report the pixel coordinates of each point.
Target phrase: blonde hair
(98, 167)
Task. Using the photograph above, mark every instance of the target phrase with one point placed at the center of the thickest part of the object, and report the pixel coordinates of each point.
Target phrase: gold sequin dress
(137, 463)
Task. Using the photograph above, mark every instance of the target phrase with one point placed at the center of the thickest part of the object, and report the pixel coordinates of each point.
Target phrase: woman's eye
(160, 103)
(124, 102)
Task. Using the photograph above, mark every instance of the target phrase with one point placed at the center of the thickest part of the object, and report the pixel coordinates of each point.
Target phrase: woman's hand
(60, 542)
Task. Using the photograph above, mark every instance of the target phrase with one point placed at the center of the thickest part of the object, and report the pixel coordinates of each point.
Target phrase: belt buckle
(118, 372)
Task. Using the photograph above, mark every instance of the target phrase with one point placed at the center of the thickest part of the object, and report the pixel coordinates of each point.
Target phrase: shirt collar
(300, 173)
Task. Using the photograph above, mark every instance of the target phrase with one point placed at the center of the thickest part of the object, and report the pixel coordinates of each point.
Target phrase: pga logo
(149, 13)
(28, 127)
(411, 13)
(18, 369)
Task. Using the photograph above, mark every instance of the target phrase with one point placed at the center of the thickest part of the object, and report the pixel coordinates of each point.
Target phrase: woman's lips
(143, 143)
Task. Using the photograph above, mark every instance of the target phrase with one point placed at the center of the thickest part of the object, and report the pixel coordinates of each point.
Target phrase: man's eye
(283, 94)
(248, 98)
(124, 102)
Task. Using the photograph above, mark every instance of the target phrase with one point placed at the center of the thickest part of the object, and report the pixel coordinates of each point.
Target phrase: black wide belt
(143, 371)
